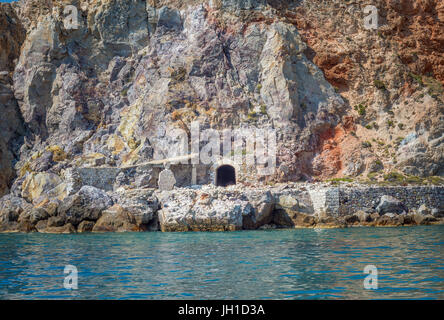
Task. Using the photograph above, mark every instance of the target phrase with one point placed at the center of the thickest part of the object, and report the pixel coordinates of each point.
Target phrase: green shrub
(435, 87)
(417, 78)
(435, 180)
(414, 180)
(366, 144)
(372, 176)
(346, 179)
(379, 84)
(361, 109)
(394, 177)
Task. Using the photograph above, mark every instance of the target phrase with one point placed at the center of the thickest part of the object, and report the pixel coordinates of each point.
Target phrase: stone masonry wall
(337, 201)
(105, 177)
(325, 200)
(366, 199)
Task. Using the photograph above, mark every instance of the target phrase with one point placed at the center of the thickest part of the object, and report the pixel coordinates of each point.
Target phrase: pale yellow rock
(92, 160)
(58, 154)
(129, 118)
(116, 144)
(37, 184)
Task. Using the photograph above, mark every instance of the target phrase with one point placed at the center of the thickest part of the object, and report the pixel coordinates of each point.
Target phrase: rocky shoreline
(210, 208)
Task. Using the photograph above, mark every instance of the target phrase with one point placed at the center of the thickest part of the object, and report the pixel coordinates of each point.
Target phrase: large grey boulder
(192, 210)
(142, 204)
(424, 210)
(263, 205)
(390, 204)
(87, 204)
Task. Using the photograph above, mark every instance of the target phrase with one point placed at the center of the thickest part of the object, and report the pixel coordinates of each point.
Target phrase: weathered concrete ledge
(210, 208)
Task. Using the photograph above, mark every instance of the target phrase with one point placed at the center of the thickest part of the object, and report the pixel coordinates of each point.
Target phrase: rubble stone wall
(366, 199)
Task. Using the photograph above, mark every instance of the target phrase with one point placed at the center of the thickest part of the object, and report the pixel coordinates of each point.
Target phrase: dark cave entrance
(225, 176)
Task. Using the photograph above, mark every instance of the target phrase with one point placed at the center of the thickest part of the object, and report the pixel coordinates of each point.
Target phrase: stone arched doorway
(225, 175)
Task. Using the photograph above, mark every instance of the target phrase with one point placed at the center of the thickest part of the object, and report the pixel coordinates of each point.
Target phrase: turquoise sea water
(278, 264)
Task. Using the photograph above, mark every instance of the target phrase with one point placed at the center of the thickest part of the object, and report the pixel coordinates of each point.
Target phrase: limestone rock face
(111, 91)
(133, 71)
(11, 123)
(40, 184)
(343, 100)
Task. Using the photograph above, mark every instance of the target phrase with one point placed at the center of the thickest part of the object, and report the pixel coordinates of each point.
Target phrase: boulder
(364, 216)
(38, 214)
(287, 202)
(87, 204)
(11, 208)
(290, 219)
(43, 227)
(116, 219)
(424, 210)
(437, 213)
(352, 219)
(192, 210)
(293, 209)
(423, 219)
(390, 204)
(57, 221)
(263, 205)
(142, 204)
(85, 226)
(390, 219)
(49, 205)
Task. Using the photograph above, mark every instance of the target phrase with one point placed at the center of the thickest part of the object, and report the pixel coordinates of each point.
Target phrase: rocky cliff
(346, 102)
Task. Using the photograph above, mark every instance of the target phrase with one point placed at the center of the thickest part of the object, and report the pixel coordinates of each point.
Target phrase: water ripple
(277, 264)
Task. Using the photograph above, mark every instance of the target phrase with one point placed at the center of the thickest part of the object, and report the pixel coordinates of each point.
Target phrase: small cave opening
(225, 176)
